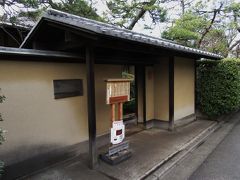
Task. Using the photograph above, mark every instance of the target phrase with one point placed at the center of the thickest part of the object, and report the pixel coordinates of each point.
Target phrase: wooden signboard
(118, 90)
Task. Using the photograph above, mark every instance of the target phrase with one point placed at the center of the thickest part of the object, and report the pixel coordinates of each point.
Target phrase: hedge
(218, 86)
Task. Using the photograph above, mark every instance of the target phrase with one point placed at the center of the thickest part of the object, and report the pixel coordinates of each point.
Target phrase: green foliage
(2, 138)
(77, 7)
(1, 168)
(211, 27)
(2, 99)
(218, 86)
(234, 7)
(30, 3)
(31, 15)
(126, 13)
(188, 31)
(32, 9)
(127, 75)
(216, 41)
(129, 107)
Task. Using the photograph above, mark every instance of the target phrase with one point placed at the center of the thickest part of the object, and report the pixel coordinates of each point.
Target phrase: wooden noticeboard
(118, 90)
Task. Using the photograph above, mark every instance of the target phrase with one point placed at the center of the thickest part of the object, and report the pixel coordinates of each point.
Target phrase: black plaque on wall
(64, 88)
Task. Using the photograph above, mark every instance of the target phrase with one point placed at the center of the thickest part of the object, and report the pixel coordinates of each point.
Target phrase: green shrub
(218, 86)
(2, 138)
(1, 168)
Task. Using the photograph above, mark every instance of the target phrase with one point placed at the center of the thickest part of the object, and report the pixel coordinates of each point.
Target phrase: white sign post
(117, 132)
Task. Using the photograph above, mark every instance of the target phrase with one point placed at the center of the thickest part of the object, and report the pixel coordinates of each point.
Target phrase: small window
(67, 88)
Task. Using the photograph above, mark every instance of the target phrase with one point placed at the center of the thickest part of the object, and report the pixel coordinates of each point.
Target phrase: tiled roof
(113, 31)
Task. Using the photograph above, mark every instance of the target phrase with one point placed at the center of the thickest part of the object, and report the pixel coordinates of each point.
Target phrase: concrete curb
(169, 162)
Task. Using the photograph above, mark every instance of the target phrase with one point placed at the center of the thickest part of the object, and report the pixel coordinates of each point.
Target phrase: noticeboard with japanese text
(118, 90)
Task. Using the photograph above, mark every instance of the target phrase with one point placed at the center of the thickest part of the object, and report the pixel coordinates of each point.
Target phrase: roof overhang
(14, 25)
(33, 54)
(99, 29)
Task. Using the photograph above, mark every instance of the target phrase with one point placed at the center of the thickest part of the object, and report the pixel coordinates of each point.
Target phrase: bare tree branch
(215, 12)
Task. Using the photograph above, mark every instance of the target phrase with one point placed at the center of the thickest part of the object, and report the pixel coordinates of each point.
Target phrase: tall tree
(186, 30)
(210, 27)
(78, 7)
(27, 12)
(126, 13)
(32, 9)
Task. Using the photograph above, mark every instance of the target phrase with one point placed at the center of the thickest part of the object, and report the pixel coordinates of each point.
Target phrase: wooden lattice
(118, 90)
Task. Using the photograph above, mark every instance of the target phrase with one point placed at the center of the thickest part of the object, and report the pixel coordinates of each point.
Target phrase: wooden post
(144, 96)
(136, 90)
(120, 111)
(171, 93)
(91, 107)
(195, 85)
(113, 113)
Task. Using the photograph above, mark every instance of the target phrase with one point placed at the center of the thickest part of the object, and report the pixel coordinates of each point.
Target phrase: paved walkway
(189, 164)
(224, 162)
(73, 169)
(149, 148)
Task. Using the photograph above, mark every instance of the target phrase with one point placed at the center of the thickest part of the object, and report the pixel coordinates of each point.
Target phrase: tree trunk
(183, 6)
(215, 12)
(140, 14)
